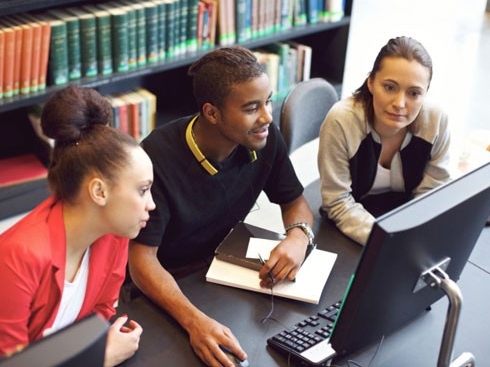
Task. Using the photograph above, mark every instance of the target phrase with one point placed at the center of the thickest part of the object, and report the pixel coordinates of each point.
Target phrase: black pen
(269, 273)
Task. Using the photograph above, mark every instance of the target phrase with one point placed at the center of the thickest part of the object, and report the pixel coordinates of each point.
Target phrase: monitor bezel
(76, 345)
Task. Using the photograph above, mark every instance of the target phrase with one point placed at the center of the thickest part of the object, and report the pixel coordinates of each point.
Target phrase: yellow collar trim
(200, 157)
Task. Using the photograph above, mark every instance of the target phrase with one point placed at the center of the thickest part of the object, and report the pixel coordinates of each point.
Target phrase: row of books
(134, 112)
(286, 64)
(58, 46)
(242, 20)
(24, 47)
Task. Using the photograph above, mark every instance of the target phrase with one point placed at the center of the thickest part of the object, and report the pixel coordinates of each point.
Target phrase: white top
(71, 298)
(382, 181)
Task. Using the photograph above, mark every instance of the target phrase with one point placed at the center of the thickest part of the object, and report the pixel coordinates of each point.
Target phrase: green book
(161, 25)
(132, 39)
(281, 49)
(104, 39)
(119, 32)
(192, 14)
(299, 13)
(88, 40)
(140, 34)
(151, 23)
(132, 34)
(171, 25)
(74, 47)
(58, 50)
(181, 27)
(241, 20)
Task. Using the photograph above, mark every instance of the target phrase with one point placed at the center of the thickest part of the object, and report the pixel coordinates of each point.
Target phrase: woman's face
(130, 200)
(398, 89)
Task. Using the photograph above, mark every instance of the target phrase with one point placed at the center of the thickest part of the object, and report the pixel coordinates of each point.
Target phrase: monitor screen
(78, 345)
(441, 226)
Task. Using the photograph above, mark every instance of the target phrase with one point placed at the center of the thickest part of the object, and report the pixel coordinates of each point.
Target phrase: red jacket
(32, 273)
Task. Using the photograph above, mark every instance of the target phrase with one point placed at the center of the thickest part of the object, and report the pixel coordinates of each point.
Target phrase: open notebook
(308, 285)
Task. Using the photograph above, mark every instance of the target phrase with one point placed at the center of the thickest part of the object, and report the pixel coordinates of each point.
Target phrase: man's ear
(98, 191)
(210, 112)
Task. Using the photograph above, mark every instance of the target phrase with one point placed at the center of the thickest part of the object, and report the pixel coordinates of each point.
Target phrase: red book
(133, 104)
(18, 36)
(35, 50)
(26, 59)
(2, 59)
(8, 65)
(22, 168)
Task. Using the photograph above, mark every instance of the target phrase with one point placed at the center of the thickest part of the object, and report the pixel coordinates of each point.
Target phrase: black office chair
(303, 111)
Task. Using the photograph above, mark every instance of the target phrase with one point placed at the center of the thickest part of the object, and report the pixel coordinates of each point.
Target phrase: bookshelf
(168, 78)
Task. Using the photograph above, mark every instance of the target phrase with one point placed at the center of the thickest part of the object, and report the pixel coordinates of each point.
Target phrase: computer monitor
(78, 345)
(438, 229)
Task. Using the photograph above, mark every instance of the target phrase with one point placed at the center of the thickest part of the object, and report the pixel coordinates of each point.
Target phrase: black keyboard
(308, 340)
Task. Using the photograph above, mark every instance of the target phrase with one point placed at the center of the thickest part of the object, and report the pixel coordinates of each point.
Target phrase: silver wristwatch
(308, 232)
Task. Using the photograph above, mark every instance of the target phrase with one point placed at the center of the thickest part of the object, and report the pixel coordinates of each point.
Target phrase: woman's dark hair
(405, 47)
(216, 72)
(78, 120)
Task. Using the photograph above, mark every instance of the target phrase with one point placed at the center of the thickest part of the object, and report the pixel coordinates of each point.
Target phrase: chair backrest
(303, 111)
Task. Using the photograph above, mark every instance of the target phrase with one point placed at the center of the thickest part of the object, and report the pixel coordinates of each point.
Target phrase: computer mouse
(232, 357)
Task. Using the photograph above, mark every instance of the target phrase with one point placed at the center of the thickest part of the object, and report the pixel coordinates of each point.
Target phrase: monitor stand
(436, 277)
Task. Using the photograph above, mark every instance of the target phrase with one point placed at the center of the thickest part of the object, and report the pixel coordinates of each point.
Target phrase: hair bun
(71, 113)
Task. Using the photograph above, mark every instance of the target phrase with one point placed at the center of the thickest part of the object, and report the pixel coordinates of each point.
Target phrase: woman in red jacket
(67, 258)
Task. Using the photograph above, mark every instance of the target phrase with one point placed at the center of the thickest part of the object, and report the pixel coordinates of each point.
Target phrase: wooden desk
(164, 343)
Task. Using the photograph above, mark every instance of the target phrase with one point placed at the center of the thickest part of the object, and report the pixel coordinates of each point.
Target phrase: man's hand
(207, 335)
(285, 259)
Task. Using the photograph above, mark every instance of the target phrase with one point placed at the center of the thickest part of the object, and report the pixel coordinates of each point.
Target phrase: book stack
(134, 112)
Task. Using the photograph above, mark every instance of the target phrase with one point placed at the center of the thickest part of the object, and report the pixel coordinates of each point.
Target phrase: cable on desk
(351, 362)
(269, 315)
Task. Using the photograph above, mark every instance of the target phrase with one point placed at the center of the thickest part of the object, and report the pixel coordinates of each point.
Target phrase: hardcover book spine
(140, 35)
(44, 47)
(161, 26)
(151, 20)
(2, 60)
(74, 48)
(248, 20)
(17, 58)
(44, 56)
(34, 50)
(88, 43)
(73, 41)
(152, 108)
(132, 38)
(36, 56)
(182, 38)
(26, 59)
(202, 25)
(170, 12)
(241, 14)
(120, 48)
(58, 53)
(9, 54)
(192, 14)
(151, 23)
(104, 43)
